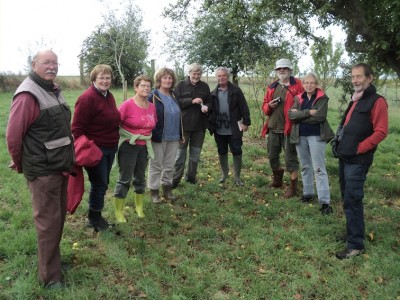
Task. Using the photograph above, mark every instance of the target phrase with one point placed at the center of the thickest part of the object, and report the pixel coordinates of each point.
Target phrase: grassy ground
(217, 241)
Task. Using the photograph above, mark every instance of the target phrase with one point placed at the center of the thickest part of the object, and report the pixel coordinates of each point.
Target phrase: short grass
(217, 241)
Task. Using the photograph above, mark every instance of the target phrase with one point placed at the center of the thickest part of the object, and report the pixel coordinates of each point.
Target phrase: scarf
(47, 85)
(357, 96)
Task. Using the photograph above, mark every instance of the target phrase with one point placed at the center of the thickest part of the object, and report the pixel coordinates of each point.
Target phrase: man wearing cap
(277, 102)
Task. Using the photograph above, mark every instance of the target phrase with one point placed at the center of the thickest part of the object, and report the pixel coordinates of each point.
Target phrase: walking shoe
(191, 181)
(349, 253)
(307, 198)
(326, 209)
(97, 221)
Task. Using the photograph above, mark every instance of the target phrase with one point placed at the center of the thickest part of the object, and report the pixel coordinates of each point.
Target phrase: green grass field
(217, 241)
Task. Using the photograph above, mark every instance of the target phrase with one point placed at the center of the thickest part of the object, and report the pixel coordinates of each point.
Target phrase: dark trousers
(132, 162)
(275, 143)
(49, 203)
(223, 141)
(99, 177)
(352, 178)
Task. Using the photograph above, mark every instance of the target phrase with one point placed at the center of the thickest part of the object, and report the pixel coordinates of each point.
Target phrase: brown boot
(277, 176)
(292, 189)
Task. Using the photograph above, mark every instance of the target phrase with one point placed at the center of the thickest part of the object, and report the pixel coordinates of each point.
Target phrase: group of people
(297, 122)
(157, 126)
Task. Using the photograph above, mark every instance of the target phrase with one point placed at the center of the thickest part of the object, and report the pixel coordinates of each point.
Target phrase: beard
(283, 77)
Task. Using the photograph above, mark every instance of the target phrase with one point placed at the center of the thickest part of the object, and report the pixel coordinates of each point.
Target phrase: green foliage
(9, 82)
(326, 58)
(227, 34)
(119, 42)
(371, 26)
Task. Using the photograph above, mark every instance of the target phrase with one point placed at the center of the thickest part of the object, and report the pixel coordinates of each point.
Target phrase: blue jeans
(223, 141)
(99, 177)
(311, 151)
(352, 178)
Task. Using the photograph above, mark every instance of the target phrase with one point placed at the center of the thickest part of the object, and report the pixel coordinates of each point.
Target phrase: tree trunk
(235, 79)
(125, 89)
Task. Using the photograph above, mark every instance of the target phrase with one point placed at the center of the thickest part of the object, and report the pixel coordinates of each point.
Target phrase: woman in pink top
(138, 119)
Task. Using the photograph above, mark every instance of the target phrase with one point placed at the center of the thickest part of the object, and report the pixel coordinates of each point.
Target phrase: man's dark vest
(47, 145)
(358, 129)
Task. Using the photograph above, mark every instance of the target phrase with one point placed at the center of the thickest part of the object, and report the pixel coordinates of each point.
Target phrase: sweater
(97, 117)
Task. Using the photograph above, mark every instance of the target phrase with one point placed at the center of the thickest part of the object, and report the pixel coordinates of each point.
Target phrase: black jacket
(192, 117)
(238, 110)
(358, 129)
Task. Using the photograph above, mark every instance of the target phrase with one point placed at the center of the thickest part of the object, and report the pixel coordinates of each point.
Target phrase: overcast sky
(63, 25)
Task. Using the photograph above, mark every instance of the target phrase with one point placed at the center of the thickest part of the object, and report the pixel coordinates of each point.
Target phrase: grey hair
(223, 69)
(195, 67)
(41, 52)
(313, 75)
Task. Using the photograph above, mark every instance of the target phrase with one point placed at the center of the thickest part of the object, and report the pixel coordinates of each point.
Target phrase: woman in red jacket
(96, 116)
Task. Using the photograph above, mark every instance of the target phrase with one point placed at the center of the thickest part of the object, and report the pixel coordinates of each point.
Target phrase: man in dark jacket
(229, 118)
(192, 95)
(40, 143)
(363, 127)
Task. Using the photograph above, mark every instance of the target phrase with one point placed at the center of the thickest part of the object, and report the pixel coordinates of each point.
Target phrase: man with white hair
(40, 144)
(193, 95)
(229, 118)
(277, 102)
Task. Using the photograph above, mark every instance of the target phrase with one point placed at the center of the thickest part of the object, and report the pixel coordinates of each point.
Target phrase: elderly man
(229, 118)
(363, 127)
(40, 144)
(277, 102)
(192, 95)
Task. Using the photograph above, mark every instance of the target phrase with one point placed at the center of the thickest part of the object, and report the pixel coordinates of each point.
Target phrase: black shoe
(349, 253)
(307, 198)
(326, 209)
(191, 181)
(97, 221)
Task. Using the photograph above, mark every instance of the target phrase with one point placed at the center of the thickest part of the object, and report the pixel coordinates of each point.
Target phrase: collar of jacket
(156, 94)
(318, 94)
(369, 91)
(229, 88)
(188, 82)
(292, 81)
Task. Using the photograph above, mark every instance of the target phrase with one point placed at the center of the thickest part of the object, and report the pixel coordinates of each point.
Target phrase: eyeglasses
(282, 69)
(108, 78)
(145, 86)
(48, 63)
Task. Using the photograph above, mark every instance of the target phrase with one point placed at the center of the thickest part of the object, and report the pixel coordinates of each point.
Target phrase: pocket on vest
(57, 153)
(64, 141)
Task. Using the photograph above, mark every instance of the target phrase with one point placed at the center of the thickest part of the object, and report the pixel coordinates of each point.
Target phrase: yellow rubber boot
(119, 204)
(139, 205)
